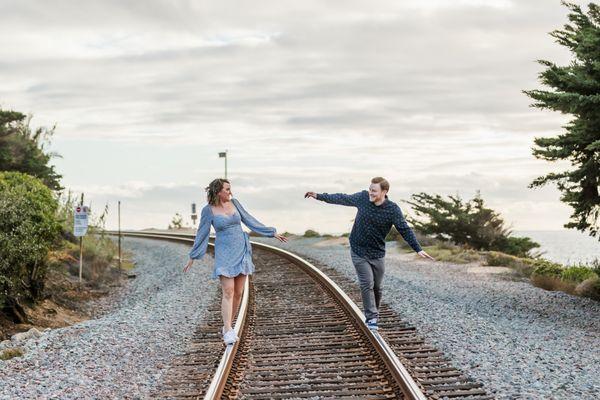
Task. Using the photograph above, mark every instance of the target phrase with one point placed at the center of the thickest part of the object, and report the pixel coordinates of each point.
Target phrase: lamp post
(224, 155)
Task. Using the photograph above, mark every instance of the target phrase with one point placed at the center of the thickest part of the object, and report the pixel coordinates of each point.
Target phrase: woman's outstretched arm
(201, 241)
(252, 222)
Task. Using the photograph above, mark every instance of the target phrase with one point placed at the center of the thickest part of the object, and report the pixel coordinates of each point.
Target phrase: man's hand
(281, 238)
(310, 194)
(423, 254)
(188, 265)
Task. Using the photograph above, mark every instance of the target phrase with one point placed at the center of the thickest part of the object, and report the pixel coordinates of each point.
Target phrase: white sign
(80, 220)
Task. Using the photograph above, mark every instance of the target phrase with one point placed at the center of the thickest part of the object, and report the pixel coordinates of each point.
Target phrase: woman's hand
(310, 194)
(188, 265)
(281, 238)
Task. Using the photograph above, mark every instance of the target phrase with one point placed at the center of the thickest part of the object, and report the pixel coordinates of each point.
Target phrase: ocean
(565, 246)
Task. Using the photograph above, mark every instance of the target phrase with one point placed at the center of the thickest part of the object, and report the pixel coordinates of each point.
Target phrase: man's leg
(378, 268)
(365, 280)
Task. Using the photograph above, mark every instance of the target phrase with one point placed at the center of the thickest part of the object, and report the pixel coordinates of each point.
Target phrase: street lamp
(224, 155)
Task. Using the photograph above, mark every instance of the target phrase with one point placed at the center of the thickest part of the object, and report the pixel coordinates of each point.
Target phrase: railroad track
(303, 337)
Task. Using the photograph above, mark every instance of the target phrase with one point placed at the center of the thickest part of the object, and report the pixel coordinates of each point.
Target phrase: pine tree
(576, 91)
(23, 149)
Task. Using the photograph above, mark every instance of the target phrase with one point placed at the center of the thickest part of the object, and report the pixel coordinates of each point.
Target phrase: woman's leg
(227, 287)
(240, 281)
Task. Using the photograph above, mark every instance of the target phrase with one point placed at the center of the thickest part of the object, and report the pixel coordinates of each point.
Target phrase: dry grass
(553, 283)
(453, 254)
(7, 354)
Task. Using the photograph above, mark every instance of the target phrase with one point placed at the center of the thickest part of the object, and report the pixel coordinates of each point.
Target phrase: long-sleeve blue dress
(233, 253)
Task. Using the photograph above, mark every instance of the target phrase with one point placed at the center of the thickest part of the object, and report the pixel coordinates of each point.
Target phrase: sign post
(80, 221)
(194, 215)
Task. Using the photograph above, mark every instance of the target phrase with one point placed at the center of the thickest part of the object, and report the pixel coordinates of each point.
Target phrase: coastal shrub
(497, 259)
(548, 268)
(548, 275)
(577, 274)
(393, 235)
(28, 230)
(589, 288)
(595, 266)
(516, 246)
(454, 254)
(310, 233)
(468, 223)
(424, 240)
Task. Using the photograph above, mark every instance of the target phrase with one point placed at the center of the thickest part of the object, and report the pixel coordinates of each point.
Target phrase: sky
(304, 96)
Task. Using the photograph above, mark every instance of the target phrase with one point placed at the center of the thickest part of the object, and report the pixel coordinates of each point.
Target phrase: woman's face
(225, 193)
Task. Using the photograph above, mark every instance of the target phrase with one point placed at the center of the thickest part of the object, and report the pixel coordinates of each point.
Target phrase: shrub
(28, 229)
(516, 246)
(393, 235)
(453, 254)
(547, 268)
(496, 259)
(310, 233)
(468, 223)
(577, 274)
(589, 288)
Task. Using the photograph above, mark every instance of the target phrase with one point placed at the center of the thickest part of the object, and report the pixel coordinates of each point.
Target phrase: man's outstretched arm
(343, 199)
(408, 235)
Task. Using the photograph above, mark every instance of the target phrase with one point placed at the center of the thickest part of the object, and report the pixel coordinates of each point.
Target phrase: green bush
(547, 268)
(310, 233)
(577, 274)
(516, 246)
(28, 229)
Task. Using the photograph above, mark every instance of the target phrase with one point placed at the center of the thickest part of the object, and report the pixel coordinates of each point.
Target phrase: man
(374, 219)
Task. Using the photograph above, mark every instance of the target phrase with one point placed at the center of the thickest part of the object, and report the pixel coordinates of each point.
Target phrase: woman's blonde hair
(213, 189)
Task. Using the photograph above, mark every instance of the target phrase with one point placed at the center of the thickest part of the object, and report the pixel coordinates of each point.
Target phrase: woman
(233, 254)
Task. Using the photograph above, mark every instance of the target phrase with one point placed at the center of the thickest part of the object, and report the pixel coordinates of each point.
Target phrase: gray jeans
(370, 275)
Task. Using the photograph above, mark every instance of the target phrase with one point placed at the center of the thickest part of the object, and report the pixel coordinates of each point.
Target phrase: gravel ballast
(520, 341)
(125, 352)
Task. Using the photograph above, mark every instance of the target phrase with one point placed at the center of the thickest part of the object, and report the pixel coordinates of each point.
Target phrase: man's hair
(383, 183)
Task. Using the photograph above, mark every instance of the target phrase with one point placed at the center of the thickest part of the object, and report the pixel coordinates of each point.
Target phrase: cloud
(315, 93)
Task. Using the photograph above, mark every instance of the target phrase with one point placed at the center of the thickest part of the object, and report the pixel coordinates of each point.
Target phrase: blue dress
(233, 253)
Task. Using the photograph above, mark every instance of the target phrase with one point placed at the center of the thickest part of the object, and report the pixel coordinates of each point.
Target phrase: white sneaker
(372, 324)
(230, 337)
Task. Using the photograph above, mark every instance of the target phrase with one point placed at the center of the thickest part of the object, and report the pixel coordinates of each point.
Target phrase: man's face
(375, 193)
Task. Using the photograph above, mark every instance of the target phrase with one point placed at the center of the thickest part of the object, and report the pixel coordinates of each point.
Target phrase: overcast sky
(308, 95)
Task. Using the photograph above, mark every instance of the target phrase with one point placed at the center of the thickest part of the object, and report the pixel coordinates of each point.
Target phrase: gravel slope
(125, 352)
(520, 341)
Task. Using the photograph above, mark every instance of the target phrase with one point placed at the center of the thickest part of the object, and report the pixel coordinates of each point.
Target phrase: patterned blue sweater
(372, 223)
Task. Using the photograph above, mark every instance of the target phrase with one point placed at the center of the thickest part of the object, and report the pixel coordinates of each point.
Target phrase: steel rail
(217, 384)
(395, 367)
